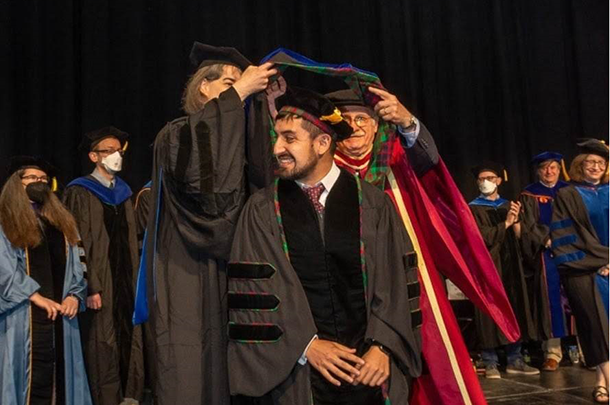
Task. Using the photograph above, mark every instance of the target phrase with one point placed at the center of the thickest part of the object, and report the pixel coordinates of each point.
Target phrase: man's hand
(69, 307)
(548, 244)
(390, 109)
(275, 90)
(376, 368)
(513, 214)
(52, 307)
(333, 360)
(254, 79)
(603, 271)
(94, 301)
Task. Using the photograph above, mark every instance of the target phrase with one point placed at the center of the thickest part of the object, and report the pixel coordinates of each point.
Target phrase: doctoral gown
(550, 312)
(285, 273)
(505, 250)
(16, 331)
(444, 236)
(199, 185)
(579, 231)
(113, 346)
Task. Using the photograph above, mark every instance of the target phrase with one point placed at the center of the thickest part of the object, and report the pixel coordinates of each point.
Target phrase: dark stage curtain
(492, 79)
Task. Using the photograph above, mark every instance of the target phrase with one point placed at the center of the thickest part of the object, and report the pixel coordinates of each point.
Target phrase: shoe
(598, 393)
(492, 372)
(521, 368)
(550, 365)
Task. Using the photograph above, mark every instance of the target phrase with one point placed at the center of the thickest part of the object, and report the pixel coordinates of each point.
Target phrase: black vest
(329, 268)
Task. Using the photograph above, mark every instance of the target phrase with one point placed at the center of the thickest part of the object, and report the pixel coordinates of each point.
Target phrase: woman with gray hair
(198, 190)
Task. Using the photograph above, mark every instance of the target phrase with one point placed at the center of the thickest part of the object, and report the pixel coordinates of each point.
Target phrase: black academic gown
(199, 187)
(111, 344)
(505, 251)
(48, 267)
(282, 284)
(579, 231)
(544, 286)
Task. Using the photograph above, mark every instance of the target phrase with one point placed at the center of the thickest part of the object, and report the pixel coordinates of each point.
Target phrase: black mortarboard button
(205, 55)
(315, 108)
(593, 147)
(91, 139)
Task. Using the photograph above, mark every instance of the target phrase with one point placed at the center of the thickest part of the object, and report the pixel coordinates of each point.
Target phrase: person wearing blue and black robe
(42, 288)
(500, 227)
(547, 299)
(579, 231)
(104, 213)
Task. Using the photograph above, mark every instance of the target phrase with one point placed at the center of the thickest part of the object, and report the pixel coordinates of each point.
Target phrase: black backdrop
(491, 79)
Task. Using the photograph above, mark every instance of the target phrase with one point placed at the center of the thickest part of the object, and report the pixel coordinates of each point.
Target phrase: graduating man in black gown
(322, 283)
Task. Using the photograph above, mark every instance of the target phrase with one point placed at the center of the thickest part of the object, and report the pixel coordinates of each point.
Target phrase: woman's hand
(52, 307)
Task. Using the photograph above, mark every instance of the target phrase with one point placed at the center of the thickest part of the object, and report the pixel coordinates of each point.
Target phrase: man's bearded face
(294, 150)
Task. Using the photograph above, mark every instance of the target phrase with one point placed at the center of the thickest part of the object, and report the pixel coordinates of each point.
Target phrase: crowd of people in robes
(292, 248)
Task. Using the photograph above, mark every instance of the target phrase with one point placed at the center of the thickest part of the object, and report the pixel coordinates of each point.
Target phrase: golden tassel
(564, 171)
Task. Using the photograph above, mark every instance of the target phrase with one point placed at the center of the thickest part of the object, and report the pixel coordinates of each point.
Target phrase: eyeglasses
(592, 163)
(109, 151)
(33, 178)
(488, 178)
(360, 120)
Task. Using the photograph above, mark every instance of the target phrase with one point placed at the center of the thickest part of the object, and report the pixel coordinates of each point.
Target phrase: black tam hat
(91, 139)
(28, 162)
(347, 97)
(316, 109)
(593, 147)
(206, 55)
(494, 167)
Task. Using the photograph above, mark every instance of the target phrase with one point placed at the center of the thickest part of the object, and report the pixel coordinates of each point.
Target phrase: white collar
(329, 180)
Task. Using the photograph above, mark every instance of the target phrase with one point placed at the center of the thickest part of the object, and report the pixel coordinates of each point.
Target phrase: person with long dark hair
(579, 231)
(42, 287)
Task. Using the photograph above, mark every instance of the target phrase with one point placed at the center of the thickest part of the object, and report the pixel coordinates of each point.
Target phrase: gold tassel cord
(564, 171)
(505, 175)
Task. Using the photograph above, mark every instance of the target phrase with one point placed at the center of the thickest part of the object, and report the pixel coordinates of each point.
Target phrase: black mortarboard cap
(345, 97)
(544, 156)
(317, 109)
(494, 167)
(24, 162)
(206, 55)
(94, 137)
(593, 147)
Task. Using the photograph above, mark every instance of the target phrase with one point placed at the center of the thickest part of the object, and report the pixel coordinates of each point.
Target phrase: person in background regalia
(499, 223)
(42, 288)
(103, 209)
(579, 234)
(545, 292)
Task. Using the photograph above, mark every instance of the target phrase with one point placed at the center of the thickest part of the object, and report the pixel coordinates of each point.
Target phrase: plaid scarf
(358, 80)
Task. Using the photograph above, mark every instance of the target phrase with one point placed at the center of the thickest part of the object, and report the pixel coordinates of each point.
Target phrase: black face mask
(38, 192)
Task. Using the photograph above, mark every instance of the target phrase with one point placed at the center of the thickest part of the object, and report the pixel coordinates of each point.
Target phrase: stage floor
(566, 386)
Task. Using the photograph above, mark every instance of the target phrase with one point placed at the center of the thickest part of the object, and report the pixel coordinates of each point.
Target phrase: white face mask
(113, 163)
(487, 187)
